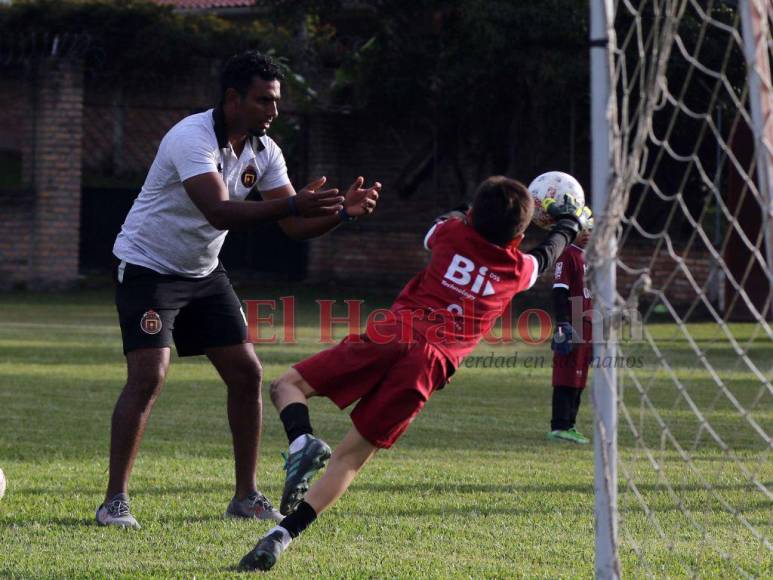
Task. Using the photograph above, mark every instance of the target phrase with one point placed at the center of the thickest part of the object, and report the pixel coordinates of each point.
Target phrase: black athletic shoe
(301, 467)
(265, 554)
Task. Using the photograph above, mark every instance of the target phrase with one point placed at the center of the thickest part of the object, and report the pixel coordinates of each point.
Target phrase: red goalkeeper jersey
(570, 274)
(467, 285)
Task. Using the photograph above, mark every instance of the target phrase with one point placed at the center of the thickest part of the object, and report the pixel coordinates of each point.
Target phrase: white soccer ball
(556, 185)
(2, 483)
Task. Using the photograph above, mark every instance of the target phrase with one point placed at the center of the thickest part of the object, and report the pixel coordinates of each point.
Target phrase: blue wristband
(345, 217)
(293, 206)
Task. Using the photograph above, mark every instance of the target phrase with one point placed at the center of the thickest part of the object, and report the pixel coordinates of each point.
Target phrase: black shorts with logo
(197, 313)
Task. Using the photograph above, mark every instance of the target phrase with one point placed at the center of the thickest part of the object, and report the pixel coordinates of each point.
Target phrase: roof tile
(202, 4)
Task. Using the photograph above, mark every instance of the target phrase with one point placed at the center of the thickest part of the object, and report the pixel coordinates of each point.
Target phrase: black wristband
(293, 206)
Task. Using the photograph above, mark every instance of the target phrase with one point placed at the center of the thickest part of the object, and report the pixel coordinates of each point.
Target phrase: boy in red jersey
(572, 352)
(475, 270)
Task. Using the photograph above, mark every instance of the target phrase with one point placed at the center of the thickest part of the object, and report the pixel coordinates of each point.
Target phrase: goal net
(681, 260)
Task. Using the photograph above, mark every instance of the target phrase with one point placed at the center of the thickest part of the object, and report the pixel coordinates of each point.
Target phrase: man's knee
(145, 387)
(247, 376)
(146, 381)
(146, 375)
(253, 372)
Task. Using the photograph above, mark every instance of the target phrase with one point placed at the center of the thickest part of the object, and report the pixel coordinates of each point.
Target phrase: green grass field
(473, 490)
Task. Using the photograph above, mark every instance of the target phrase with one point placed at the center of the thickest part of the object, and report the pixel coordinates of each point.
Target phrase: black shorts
(197, 313)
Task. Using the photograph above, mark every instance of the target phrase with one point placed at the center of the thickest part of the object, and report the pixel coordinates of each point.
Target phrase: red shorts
(572, 370)
(392, 381)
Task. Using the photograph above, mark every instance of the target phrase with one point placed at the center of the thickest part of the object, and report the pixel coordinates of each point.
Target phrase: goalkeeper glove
(562, 339)
(569, 209)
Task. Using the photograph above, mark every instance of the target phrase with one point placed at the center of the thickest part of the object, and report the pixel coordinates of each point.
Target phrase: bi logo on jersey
(461, 270)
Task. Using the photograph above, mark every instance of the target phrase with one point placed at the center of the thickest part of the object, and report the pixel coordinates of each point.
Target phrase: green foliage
(477, 71)
(289, 11)
(427, 55)
(132, 42)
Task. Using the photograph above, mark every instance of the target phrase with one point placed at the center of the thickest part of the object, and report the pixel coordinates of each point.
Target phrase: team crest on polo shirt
(249, 177)
(151, 322)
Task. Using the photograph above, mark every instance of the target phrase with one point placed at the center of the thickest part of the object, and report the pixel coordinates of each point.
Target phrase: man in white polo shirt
(171, 287)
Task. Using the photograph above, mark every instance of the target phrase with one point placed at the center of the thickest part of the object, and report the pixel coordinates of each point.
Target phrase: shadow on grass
(419, 488)
(451, 487)
(205, 519)
(163, 519)
(432, 440)
(139, 490)
(467, 511)
(65, 522)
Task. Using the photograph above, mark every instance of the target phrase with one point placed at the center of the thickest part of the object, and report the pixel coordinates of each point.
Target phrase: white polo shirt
(164, 230)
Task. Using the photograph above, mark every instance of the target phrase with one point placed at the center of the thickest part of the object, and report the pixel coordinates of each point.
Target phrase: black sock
(295, 418)
(563, 408)
(299, 520)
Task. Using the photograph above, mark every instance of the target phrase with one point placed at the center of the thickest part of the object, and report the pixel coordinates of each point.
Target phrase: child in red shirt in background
(440, 316)
(572, 351)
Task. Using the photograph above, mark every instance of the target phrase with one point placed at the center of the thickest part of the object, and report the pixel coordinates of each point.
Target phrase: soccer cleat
(265, 554)
(581, 439)
(255, 505)
(301, 467)
(570, 435)
(115, 512)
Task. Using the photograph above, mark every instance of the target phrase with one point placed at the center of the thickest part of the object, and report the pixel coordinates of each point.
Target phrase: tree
(493, 83)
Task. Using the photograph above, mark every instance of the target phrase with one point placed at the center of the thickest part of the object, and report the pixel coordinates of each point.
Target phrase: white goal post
(682, 193)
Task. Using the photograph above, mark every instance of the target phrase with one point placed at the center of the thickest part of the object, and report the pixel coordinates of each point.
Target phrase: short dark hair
(502, 209)
(241, 69)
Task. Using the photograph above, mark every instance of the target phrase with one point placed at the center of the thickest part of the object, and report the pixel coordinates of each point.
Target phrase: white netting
(690, 208)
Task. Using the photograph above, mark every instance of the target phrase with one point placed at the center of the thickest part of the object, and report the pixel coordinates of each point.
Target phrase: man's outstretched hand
(361, 201)
(313, 202)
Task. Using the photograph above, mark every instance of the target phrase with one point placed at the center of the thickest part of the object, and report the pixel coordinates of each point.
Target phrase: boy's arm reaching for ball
(571, 219)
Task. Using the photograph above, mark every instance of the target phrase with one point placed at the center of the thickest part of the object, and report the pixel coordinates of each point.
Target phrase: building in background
(75, 146)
